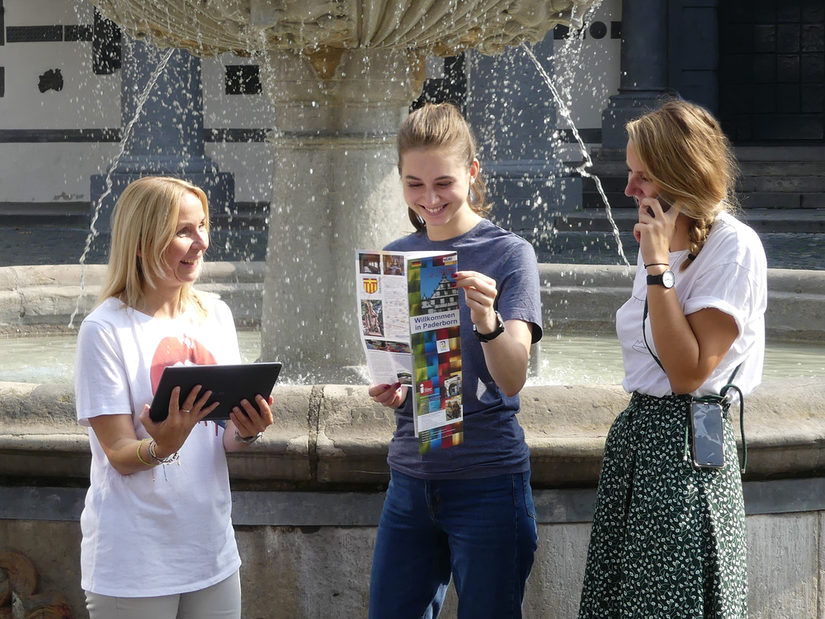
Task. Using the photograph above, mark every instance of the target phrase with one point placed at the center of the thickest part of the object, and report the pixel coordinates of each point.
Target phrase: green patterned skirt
(668, 539)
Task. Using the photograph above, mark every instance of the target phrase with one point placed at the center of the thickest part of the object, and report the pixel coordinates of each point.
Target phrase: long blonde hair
(143, 226)
(685, 152)
(441, 125)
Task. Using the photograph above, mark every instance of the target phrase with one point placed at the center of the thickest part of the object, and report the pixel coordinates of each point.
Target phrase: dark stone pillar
(514, 117)
(163, 135)
(643, 68)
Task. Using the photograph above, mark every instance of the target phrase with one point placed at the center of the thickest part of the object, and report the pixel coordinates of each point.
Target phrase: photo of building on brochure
(436, 344)
(409, 314)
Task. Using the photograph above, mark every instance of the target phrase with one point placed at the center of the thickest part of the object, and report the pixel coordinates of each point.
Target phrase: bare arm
(508, 354)
(120, 444)
(690, 347)
(127, 454)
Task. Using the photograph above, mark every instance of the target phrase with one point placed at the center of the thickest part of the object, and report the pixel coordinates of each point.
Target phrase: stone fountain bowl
(423, 27)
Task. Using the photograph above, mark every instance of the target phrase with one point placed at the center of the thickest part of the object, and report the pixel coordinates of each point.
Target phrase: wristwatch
(666, 279)
(247, 440)
(486, 337)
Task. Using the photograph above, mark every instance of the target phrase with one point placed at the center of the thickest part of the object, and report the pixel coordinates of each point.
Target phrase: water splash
(127, 133)
(564, 111)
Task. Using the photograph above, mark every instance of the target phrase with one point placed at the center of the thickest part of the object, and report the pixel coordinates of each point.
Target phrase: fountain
(306, 498)
(341, 77)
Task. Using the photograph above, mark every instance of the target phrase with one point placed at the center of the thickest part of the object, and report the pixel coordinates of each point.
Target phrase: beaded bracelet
(154, 456)
(140, 444)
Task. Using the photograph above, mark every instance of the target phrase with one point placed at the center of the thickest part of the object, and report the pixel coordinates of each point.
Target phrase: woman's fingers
(479, 291)
(387, 395)
(250, 420)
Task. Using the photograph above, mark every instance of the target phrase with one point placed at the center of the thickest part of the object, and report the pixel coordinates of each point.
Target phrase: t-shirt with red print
(177, 515)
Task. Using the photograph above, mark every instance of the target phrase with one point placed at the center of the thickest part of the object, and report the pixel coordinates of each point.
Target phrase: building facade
(74, 128)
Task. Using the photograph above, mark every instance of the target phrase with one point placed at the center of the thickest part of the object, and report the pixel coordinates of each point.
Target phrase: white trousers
(220, 601)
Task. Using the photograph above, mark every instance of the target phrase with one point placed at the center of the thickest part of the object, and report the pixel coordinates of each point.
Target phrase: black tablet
(229, 385)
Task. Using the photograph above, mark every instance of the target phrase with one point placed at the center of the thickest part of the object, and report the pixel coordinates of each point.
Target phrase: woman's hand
(171, 433)
(391, 396)
(480, 295)
(507, 355)
(248, 421)
(655, 230)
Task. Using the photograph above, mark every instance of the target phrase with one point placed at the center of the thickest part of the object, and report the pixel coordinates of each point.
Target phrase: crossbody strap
(722, 398)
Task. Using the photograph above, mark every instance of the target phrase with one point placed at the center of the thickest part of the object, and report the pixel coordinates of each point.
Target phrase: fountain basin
(332, 434)
(306, 498)
(575, 298)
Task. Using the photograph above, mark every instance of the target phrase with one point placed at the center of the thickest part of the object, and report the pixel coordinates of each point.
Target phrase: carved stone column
(335, 189)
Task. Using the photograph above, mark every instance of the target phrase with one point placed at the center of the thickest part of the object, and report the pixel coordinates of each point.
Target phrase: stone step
(782, 168)
(782, 220)
(783, 184)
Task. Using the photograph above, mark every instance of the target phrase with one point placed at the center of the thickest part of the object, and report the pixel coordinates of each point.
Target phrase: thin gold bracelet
(140, 444)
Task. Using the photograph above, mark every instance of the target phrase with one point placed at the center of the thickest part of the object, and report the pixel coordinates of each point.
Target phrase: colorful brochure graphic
(409, 317)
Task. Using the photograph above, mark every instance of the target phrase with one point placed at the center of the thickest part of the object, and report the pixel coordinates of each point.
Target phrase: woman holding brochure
(157, 535)
(465, 511)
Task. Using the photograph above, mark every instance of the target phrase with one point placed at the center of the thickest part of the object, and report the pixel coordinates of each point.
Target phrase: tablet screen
(229, 385)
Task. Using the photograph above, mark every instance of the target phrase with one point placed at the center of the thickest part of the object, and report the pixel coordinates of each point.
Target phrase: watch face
(668, 279)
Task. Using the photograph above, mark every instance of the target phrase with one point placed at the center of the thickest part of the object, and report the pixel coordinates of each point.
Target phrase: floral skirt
(668, 539)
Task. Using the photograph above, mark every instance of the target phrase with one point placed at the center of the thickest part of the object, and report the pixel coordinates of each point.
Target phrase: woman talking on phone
(668, 537)
(157, 535)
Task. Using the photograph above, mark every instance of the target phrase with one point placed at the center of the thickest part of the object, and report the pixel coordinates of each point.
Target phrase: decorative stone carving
(444, 28)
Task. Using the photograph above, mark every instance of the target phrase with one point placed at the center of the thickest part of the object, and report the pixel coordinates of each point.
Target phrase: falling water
(565, 112)
(127, 133)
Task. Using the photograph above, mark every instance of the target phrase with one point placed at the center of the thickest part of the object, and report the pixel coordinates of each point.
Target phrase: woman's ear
(475, 168)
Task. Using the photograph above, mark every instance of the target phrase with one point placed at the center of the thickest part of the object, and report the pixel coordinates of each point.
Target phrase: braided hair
(687, 155)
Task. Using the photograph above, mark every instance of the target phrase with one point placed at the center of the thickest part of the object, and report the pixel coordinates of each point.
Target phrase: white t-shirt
(730, 275)
(165, 530)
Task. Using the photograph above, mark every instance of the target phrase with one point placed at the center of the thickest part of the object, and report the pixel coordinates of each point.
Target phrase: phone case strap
(722, 398)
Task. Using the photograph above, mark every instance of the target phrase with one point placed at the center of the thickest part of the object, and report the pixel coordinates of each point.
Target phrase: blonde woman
(668, 536)
(157, 536)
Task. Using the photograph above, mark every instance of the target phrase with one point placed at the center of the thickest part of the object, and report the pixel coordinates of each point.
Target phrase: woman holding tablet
(157, 535)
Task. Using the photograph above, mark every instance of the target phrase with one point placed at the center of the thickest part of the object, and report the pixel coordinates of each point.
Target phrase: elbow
(512, 390)
(686, 384)
(123, 470)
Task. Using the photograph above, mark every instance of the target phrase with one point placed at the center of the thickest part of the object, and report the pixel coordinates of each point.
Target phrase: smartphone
(666, 200)
(706, 422)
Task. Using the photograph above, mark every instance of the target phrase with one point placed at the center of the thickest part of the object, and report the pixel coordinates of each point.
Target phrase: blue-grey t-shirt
(493, 439)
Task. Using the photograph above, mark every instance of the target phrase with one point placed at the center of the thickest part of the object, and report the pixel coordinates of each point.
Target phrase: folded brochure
(409, 324)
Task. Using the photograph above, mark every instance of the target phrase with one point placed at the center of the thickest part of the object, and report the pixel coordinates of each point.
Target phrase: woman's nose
(202, 239)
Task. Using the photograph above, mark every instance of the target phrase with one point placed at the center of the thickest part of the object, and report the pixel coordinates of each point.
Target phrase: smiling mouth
(435, 210)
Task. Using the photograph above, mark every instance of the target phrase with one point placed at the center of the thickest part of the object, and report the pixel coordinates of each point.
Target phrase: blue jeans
(481, 531)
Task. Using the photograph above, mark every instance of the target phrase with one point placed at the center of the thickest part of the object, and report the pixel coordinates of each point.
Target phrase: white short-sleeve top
(730, 275)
